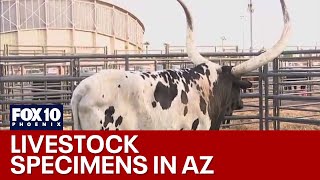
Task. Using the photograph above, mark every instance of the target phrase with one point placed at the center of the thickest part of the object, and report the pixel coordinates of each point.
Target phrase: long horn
(256, 62)
(192, 51)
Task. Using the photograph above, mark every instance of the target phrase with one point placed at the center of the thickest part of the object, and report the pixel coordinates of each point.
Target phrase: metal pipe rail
(295, 120)
(310, 74)
(240, 117)
(299, 109)
(30, 88)
(239, 124)
(96, 56)
(269, 82)
(40, 79)
(309, 116)
(34, 102)
(299, 70)
(301, 105)
(294, 98)
(37, 94)
(299, 83)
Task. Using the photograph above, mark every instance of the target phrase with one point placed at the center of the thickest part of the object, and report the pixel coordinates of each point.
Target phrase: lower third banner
(160, 154)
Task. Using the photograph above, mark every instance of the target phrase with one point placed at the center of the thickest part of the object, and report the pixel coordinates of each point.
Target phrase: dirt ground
(283, 125)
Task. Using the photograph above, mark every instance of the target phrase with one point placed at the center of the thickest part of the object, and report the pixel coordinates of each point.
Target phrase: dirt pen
(285, 93)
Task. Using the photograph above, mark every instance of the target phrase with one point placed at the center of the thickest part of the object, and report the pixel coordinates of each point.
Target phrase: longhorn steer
(187, 99)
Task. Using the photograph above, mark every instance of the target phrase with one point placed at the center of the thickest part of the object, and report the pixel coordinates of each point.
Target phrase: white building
(67, 26)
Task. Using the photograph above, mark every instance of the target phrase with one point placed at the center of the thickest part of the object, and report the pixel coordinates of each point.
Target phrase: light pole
(166, 48)
(223, 38)
(251, 10)
(243, 26)
(147, 45)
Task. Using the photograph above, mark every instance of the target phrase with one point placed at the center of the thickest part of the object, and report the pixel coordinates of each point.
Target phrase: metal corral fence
(286, 90)
(34, 50)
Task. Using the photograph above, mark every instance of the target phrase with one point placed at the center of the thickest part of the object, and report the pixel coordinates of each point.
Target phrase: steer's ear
(244, 84)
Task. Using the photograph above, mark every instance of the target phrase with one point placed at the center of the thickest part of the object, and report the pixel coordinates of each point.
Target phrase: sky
(164, 21)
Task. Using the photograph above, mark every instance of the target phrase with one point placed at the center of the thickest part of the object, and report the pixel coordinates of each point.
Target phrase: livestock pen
(284, 91)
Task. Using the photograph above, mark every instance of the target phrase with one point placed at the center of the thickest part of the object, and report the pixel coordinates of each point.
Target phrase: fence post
(155, 65)
(266, 96)
(78, 68)
(2, 91)
(126, 59)
(45, 67)
(309, 78)
(106, 50)
(72, 73)
(260, 98)
(6, 50)
(72, 83)
(276, 109)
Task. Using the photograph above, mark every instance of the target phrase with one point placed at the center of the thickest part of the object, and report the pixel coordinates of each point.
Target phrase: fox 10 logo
(36, 117)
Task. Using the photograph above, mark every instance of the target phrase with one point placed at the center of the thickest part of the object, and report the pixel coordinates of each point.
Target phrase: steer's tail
(77, 95)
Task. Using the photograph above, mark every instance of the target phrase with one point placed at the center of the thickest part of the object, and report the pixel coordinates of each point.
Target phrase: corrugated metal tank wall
(81, 26)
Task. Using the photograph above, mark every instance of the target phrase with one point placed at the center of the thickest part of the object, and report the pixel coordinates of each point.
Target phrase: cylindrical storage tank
(68, 26)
